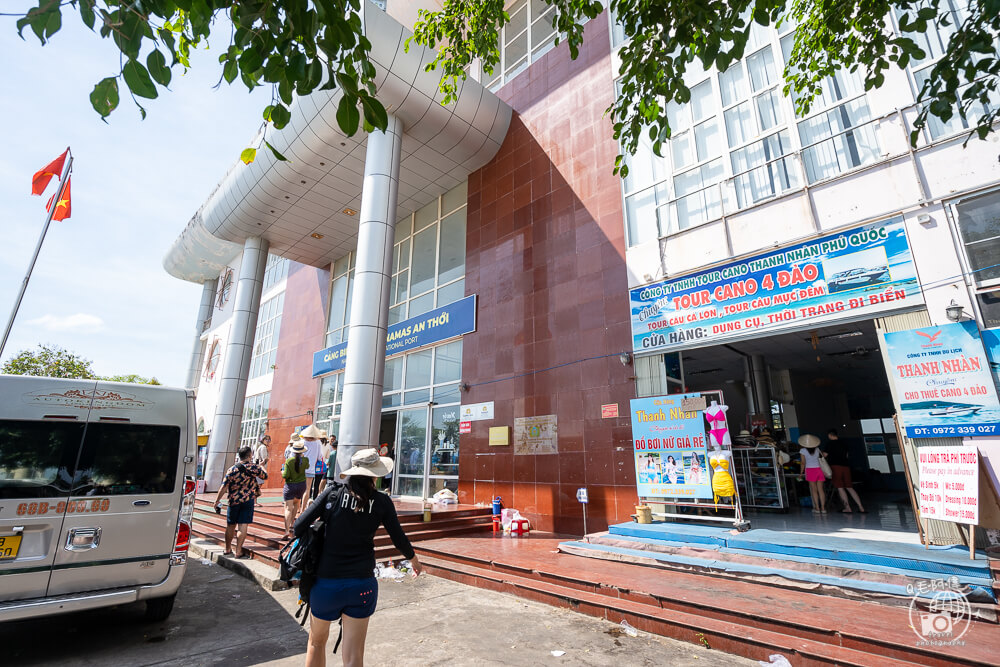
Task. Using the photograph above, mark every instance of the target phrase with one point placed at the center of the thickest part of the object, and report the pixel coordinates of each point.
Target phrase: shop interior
(780, 387)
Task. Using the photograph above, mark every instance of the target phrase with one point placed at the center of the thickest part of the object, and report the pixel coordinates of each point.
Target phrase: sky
(98, 288)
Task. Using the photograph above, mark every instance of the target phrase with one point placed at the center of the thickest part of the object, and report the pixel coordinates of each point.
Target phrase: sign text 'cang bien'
(440, 324)
(859, 271)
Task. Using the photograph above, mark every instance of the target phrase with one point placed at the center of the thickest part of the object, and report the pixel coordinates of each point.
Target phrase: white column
(204, 317)
(365, 369)
(225, 438)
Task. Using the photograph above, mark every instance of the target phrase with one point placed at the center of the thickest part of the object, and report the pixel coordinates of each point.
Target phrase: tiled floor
(886, 520)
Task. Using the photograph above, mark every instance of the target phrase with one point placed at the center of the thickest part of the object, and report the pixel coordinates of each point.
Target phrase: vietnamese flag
(41, 179)
(64, 207)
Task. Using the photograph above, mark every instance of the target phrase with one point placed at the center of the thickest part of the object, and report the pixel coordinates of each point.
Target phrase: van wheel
(158, 609)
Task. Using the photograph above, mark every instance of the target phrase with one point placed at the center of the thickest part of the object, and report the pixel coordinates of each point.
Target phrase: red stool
(519, 527)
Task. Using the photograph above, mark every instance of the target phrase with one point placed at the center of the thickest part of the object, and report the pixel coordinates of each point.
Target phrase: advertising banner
(861, 271)
(943, 381)
(536, 435)
(949, 483)
(476, 411)
(440, 324)
(671, 455)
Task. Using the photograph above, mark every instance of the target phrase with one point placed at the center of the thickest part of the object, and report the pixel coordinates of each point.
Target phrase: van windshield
(37, 458)
(127, 459)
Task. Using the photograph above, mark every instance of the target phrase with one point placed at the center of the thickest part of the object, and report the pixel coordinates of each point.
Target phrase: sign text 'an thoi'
(440, 324)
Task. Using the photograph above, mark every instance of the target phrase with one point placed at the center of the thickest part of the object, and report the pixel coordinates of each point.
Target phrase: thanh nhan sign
(860, 271)
(440, 324)
(671, 450)
(943, 381)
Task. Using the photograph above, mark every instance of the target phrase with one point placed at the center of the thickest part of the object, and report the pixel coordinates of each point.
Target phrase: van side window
(127, 459)
(37, 458)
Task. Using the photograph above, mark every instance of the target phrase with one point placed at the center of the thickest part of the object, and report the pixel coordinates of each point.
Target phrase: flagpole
(67, 167)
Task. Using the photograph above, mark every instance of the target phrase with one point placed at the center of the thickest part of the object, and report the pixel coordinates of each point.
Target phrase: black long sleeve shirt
(349, 547)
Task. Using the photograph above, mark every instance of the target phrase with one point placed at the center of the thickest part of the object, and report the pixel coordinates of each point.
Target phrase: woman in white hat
(294, 474)
(809, 465)
(346, 588)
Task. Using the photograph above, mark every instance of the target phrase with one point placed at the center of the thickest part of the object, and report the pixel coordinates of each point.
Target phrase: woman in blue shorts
(346, 587)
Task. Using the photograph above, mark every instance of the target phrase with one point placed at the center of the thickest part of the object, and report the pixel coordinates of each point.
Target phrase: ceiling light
(349, 211)
(316, 235)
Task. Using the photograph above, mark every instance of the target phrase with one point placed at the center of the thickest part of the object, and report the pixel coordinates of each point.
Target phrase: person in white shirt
(311, 439)
(262, 455)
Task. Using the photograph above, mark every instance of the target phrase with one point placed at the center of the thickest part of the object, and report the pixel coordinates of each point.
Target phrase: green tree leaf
(157, 65)
(104, 97)
(49, 361)
(248, 155)
(138, 81)
(347, 115)
(278, 156)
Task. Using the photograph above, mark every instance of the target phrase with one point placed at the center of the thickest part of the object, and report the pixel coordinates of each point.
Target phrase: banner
(440, 324)
(949, 483)
(671, 456)
(943, 381)
(861, 271)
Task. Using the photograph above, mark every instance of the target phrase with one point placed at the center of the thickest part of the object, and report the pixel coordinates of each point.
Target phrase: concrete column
(225, 437)
(365, 369)
(204, 316)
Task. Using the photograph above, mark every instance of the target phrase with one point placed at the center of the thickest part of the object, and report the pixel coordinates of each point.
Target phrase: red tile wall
(545, 253)
(303, 332)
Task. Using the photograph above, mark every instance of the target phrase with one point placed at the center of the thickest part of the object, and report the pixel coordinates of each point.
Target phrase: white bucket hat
(367, 462)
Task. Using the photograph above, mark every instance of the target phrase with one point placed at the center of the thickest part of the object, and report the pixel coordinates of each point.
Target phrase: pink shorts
(815, 475)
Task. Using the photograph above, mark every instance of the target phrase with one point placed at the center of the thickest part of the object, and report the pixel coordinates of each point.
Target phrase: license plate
(9, 544)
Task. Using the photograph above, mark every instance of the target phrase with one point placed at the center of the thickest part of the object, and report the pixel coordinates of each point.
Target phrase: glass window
(759, 173)
(275, 271)
(265, 349)
(451, 293)
(418, 369)
(733, 85)
(979, 225)
(702, 101)
(832, 146)
(393, 375)
(128, 459)
(421, 304)
(425, 216)
(424, 260)
(762, 70)
(448, 362)
(451, 251)
(254, 418)
(455, 198)
(37, 459)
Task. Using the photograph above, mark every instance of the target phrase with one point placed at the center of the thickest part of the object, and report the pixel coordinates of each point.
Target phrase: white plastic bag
(446, 497)
(507, 516)
(776, 660)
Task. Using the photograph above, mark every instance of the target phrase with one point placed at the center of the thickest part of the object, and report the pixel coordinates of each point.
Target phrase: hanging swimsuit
(716, 417)
(722, 481)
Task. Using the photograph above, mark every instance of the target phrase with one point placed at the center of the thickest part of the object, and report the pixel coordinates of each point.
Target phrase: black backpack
(300, 558)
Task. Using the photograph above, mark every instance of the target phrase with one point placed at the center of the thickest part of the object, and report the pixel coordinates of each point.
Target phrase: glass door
(427, 448)
(411, 452)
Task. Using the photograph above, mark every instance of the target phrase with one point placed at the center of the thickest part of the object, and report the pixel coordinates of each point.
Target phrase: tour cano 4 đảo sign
(860, 271)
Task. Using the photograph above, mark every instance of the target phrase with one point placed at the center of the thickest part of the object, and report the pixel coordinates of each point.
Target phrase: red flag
(64, 208)
(41, 179)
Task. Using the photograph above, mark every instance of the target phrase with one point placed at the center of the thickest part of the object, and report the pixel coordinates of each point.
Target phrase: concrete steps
(265, 535)
(738, 616)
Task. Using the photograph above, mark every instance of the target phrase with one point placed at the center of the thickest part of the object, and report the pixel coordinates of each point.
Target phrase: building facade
(513, 270)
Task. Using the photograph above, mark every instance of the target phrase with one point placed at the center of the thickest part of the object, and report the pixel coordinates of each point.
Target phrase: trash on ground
(388, 572)
(205, 561)
(557, 654)
(236, 596)
(628, 629)
(776, 660)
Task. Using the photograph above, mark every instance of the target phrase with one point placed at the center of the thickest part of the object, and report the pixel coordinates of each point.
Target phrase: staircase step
(841, 583)
(754, 643)
(862, 626)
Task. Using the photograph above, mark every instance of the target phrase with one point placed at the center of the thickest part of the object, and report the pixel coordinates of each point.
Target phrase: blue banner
(857, 272)
(440, 324)
(671, 456)
(943, 381)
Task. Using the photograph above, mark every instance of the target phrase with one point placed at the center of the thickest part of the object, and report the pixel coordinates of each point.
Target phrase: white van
(97, 492)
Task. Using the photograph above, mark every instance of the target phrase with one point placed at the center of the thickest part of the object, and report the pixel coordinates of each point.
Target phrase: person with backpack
(241, 484)
(345, 587)
(294, 474)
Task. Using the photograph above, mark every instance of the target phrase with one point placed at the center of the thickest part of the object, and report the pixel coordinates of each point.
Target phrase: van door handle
(140, 503)
(82, 539)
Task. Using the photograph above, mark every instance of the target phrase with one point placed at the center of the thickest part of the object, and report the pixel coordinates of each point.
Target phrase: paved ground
(221, 619)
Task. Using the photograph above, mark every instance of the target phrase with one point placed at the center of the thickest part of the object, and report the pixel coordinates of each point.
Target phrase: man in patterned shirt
(241, 484)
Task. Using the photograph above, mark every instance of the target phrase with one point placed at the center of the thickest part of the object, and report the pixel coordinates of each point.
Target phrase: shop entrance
(783, 386)
(427, 447)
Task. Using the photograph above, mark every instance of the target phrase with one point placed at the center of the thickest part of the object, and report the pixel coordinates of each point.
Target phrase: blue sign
(943, 381)
(671, 455)
(440, 324)
(856, 272)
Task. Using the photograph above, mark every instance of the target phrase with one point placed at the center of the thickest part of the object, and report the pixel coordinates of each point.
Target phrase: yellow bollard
(643, 514)
(427, 512)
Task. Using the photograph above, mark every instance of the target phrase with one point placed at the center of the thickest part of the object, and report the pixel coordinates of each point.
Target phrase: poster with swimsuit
(661, 428)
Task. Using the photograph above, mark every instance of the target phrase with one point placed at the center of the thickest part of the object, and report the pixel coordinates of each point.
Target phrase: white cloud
(79, 323)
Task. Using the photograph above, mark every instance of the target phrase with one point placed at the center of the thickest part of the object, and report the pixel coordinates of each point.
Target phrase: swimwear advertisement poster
(670, 448)
(860, 271)
(943, 380)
